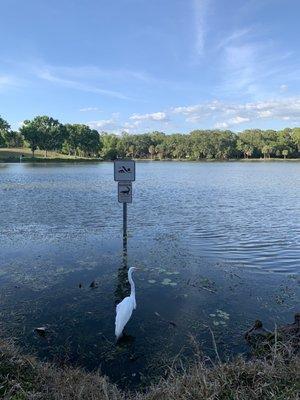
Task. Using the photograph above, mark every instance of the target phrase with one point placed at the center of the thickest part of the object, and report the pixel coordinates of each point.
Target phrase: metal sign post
(124, 174)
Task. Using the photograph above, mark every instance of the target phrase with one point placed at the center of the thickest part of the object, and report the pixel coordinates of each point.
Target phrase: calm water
(218, 244)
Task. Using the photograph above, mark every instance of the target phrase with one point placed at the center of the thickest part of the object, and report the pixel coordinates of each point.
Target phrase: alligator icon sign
(125, 192)
(124, 170)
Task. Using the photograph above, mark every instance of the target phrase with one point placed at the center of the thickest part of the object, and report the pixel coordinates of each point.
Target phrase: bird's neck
(131, 284)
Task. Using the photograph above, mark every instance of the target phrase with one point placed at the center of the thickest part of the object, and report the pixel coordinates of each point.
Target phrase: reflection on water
(218, 244)
(123, 286)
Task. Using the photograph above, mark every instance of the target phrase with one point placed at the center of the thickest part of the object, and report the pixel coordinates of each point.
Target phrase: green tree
(296, 138)
(31, 135)
(285, 153)
(4, 129)
(90, 142)
(52, 133)
(43, 132)
(151, 151)
(13, 139)
(82, 140)
(109, 146)
(267, 150)
(160, 149)
(131, 150)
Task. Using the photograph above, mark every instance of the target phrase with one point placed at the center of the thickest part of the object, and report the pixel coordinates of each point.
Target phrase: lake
(217, 244)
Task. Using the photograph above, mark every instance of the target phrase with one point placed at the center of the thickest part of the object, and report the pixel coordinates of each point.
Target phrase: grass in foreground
(275, 377)
(13, 155)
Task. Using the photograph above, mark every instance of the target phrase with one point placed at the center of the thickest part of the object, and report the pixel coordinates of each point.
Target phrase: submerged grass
(274, 376)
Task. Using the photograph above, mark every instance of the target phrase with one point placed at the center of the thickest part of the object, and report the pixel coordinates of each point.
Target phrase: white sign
(124, 170)
(125, 192)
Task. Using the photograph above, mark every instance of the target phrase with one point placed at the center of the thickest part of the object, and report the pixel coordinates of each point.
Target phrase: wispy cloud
(200, 8)
(49, 76)
(250, 63)
(95, 72)
(87, 109)
(10, 81)
(233, 37)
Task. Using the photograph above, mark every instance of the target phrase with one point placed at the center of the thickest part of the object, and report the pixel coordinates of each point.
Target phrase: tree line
(48, 134)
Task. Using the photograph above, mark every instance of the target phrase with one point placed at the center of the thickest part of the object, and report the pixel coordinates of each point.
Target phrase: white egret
(125, 307)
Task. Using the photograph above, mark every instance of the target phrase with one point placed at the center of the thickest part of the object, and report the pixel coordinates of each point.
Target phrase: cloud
(87, 109)
(200, 12)
(95, 72)
(5, 81)
(92, 79)
(9, 81)
(48, 75)
(224, 115)
(283, 88)
(103, 124)
(113, 125)
(251, 64)
(233, 37)
(157, 116)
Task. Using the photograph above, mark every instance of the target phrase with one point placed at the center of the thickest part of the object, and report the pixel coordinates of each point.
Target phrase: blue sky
(140, 65)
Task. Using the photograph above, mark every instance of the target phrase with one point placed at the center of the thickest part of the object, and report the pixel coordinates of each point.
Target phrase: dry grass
(276, 376)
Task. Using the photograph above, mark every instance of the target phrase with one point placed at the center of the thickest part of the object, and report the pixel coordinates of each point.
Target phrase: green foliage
(4, 125)
(13, 139)
(81, 140)
(296, 138)
(4, 132)
(46, 133)
(285, 153)
(111, 146)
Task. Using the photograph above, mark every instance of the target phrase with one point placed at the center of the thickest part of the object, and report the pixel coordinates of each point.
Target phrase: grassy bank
(275, 377)
(13, 155)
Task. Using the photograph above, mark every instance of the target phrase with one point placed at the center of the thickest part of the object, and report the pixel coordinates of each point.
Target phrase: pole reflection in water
(123, 287)
(123, 290)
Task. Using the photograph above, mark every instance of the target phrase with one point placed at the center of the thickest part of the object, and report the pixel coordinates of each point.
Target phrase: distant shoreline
(13, 155)
(45, 160)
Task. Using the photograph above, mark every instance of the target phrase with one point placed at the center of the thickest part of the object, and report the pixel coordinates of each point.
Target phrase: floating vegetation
(87, 263)
(219, 318)
(168, 281)
(203, 283)
(152, 281)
